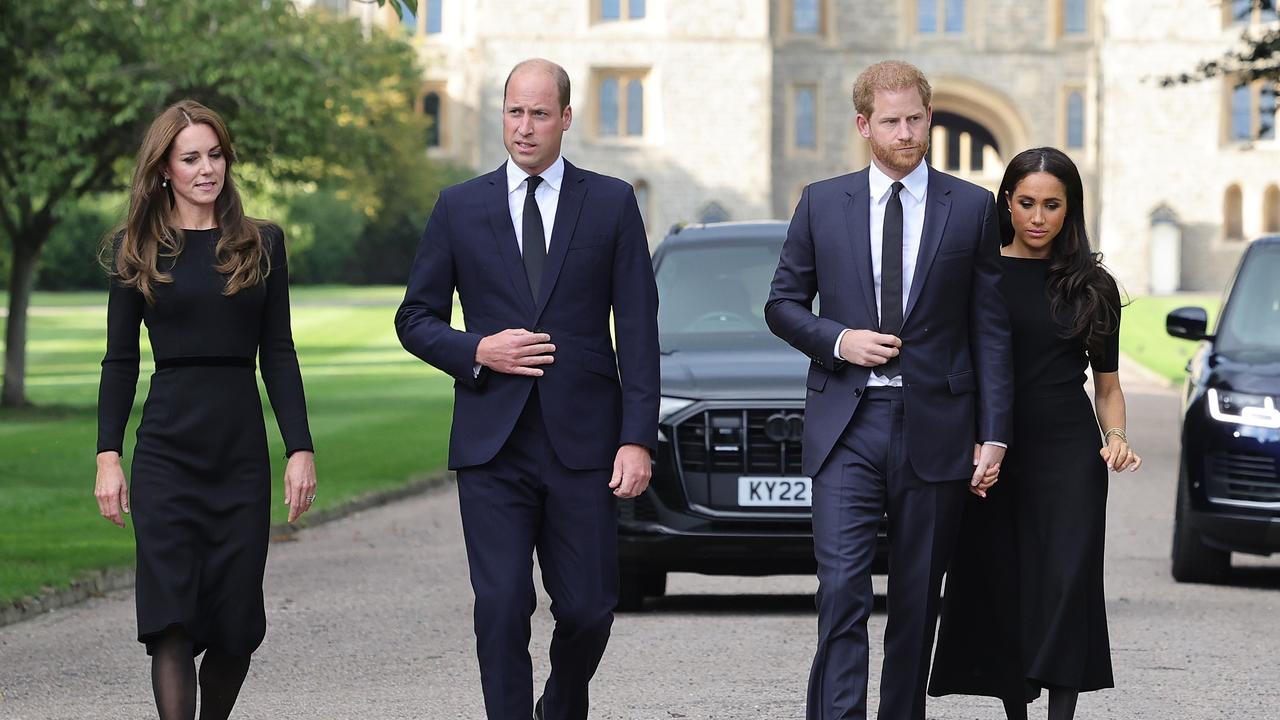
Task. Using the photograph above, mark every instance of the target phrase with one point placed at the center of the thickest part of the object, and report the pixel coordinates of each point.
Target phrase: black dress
(201, 475)
(1024, 606)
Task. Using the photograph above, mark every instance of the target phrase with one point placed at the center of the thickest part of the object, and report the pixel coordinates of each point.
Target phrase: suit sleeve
(422, 322)
(789, 310)
(635, 318)
(989, 340)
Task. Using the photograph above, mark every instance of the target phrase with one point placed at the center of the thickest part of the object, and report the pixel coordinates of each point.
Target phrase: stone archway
(976, 130)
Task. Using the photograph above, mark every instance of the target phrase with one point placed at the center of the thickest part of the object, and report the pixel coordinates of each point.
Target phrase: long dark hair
(1082, 294)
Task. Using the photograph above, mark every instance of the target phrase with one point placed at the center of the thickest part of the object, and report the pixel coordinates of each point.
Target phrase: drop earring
(164, 183)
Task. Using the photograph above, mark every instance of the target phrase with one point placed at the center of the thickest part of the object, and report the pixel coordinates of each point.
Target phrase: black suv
(727, 496)
(1228, 487)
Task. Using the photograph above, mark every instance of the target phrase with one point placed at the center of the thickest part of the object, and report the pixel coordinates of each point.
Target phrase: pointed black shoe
(537, 710)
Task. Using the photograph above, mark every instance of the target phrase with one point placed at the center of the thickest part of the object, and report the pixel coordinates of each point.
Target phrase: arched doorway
(976, 129)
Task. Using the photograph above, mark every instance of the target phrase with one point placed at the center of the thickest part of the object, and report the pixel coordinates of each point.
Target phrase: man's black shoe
(537, 710)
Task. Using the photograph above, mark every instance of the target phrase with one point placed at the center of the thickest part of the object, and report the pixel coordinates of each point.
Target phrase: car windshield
(1251, 320)
(712, 296)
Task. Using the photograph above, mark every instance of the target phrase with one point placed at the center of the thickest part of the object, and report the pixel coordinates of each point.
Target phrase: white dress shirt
(914, 193)
(547, 195)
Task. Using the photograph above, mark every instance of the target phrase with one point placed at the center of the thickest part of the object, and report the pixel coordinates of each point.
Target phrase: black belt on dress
(205, 361)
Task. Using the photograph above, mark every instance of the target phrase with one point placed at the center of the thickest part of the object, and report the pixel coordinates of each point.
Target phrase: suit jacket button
(857, 392)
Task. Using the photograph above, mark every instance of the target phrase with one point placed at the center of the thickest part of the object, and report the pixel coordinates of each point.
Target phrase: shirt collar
(915, 183)
(551, 177)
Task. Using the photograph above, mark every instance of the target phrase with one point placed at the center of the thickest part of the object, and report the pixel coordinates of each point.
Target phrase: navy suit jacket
(597, 264)
(956, 366)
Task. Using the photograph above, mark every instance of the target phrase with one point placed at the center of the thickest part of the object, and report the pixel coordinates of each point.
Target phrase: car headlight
(1243, 408)
(670, 406)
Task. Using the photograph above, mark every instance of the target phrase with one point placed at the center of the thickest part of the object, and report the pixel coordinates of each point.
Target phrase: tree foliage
(307, 97)
(1255, 57)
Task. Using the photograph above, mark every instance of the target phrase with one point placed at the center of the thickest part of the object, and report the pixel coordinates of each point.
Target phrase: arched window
(713, 212)
(1233, 214)
(431, 108)
(1271, 210)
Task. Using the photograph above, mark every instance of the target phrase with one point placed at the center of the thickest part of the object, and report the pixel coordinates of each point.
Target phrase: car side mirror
(1188, 323)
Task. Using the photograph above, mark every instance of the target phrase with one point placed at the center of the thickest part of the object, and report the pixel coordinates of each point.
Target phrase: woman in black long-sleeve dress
(1024, 607)
(212, 287)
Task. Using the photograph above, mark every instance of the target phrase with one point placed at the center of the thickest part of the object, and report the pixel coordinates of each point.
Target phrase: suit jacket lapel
(937, 209)
(572, 191)
(504, 235)
(858, 218)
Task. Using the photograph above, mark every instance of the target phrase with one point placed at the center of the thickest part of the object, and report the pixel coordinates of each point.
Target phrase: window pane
(927, 16)
(1267, 112)
(635, 10)
(635, 108)
(431, 108)
(609, 106)
(410, 17)
(1075, 21)
(955, 16)
(610, 9)
(806, 16)
(433, 15)
(1241, 125)
(1241, 10)
(806, 130)
(1075, 120)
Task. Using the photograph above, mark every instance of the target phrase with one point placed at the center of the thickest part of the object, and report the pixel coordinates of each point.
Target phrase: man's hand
(516, 352)
(632, 469)
(986, 468)
(867, 348)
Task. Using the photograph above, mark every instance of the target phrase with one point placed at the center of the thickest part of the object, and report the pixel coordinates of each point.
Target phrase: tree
(301, 93)
(1256, 57)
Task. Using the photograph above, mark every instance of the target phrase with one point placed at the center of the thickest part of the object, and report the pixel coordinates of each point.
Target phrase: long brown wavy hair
(133, 250)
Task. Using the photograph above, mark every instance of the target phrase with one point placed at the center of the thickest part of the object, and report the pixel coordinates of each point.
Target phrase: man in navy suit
(549, 424)
(910, 386)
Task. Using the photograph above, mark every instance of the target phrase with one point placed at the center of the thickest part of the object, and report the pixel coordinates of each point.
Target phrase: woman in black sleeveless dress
(1024, 607)
(212, 287)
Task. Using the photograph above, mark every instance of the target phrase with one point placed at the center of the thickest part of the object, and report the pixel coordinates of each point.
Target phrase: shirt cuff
(996, 443)
(836, 352)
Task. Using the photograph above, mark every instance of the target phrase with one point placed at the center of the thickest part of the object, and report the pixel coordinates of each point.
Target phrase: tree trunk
(22, 280)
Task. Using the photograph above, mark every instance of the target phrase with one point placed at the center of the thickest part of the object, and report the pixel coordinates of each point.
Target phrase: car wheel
(1193, 561)
(634, 586)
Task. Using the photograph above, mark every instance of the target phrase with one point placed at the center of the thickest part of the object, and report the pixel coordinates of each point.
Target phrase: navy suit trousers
(522, 501)
(866, 476)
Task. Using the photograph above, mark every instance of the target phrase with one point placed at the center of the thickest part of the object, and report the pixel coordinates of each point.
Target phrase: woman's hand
(1118, 455)
(110, 488)
(300, 483)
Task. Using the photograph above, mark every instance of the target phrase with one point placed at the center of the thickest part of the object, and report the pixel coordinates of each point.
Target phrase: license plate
(775, 492)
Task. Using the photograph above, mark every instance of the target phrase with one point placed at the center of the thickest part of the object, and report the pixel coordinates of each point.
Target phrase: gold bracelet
(1119, 432)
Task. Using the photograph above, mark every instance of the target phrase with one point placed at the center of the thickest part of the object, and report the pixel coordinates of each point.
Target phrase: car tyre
(634, 586)
(1193, 560)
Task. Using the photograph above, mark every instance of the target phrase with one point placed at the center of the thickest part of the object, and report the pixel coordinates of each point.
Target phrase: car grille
(734, 441)
(1243, 478)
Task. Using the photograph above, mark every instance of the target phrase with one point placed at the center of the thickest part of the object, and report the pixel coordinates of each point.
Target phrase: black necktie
(533, 238)
(891, 275)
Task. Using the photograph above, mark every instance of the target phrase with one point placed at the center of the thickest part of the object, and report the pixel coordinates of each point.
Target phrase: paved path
(369, 617)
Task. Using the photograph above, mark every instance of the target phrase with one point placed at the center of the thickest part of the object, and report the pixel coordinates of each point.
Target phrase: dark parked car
(1228, 486)
(727, 496)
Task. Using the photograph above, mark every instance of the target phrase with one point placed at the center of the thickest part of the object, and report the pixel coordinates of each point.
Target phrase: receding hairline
(557, 73)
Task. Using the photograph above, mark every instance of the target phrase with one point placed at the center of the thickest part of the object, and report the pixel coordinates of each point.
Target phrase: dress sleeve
(119, 366)
(277, 358)
(1105, 355)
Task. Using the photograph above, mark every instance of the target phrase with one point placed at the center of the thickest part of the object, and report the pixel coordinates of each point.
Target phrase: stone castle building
(725, 109)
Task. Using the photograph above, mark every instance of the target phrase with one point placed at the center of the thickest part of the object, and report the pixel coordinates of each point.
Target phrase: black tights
(1062, 705)
(173, 678)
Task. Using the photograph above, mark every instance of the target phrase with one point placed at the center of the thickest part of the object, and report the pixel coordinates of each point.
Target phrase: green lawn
(379, 417)
(1143, 338)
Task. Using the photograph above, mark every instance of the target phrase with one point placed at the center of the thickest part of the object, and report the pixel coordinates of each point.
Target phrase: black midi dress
(1023, 607)
(200, 485)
